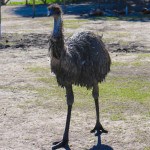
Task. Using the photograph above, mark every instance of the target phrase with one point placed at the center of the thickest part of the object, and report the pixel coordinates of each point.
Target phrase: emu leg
(98, 127)
(65, 140)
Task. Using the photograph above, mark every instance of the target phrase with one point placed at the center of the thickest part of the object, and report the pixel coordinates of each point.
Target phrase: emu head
(54, 10)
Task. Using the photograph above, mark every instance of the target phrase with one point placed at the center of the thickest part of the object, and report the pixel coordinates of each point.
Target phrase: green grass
(125, 89)
(68, 23)
(30, 2)
(104, 18)
(116, 94)
(37, 2)
(147, 148)
(38, 70)
(136, 64)
(143, 55)
(109, 40)
(74, 24)
(116, 64)
(117, 117)
(121, 89)
(72, 21)
(118, 33)
(16, 3)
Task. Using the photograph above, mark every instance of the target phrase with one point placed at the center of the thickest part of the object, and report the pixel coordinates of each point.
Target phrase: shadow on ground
(100, 146)
(77, 9)
(27, 11)
(24, 41)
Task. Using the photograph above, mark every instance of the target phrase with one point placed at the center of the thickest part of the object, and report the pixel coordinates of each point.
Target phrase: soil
(25, 125)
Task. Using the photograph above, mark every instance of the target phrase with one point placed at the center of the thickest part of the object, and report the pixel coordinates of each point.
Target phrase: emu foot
(60, 144)
(98, 129)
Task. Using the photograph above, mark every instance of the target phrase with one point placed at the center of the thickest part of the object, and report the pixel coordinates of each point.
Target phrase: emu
(83, 60)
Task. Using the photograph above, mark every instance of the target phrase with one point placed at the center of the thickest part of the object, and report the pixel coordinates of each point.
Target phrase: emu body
(82, 60)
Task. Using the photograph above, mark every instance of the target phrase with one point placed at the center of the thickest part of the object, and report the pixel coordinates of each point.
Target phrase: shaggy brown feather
(82, 60)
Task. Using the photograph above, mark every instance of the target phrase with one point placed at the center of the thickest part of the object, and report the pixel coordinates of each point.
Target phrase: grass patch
(48, 80)
(125, 89)
(71, 21)
(116, 94)
(109, 40)
(116, 64)
(30, 2)
(115, 89)
(74, 24)
(104, 18)
(44, 92)
(123, 42)
(136, 64)
(16, 3)
(117, 117)
(121, 64)
(114, 38)
(38, 70)
(121, 88)
(68, 23)
(118, 33)
(143, 55)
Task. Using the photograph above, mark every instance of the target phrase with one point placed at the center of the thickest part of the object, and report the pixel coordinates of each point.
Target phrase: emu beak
(49, 13)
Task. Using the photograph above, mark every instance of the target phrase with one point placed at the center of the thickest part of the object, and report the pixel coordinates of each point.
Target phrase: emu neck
(57, 38)
(58, 27)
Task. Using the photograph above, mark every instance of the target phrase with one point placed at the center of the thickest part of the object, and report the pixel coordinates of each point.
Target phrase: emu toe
(98, 129)
(60, 144)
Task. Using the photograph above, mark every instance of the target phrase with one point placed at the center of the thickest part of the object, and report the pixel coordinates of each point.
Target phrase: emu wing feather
(85, 60)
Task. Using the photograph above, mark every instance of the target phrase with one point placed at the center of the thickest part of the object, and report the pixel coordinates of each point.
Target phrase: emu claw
(60, 144)
(55, 143)
(98, 129)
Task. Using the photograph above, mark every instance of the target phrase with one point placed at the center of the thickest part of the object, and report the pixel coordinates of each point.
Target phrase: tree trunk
(0, 20)
(3, 2)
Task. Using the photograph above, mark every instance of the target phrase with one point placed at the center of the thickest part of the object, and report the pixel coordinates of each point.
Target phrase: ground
(33, 107)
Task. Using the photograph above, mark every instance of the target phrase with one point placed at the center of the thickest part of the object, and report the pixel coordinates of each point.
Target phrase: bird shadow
(99, 145)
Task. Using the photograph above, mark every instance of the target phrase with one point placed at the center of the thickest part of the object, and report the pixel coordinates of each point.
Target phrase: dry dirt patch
(33, 110)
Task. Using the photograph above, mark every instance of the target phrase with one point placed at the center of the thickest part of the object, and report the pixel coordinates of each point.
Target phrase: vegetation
(120, 94)
(117, 89)
(47, 1)
(147, 148)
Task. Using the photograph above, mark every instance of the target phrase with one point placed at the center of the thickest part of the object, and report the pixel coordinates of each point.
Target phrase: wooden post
(2, 2)
(0, 19)
(64, 6)
(99, 4)
(26, 2)
(125, 7)
(33, 9)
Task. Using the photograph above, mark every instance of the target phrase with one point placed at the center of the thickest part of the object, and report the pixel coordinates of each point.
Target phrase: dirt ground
(32, 121)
